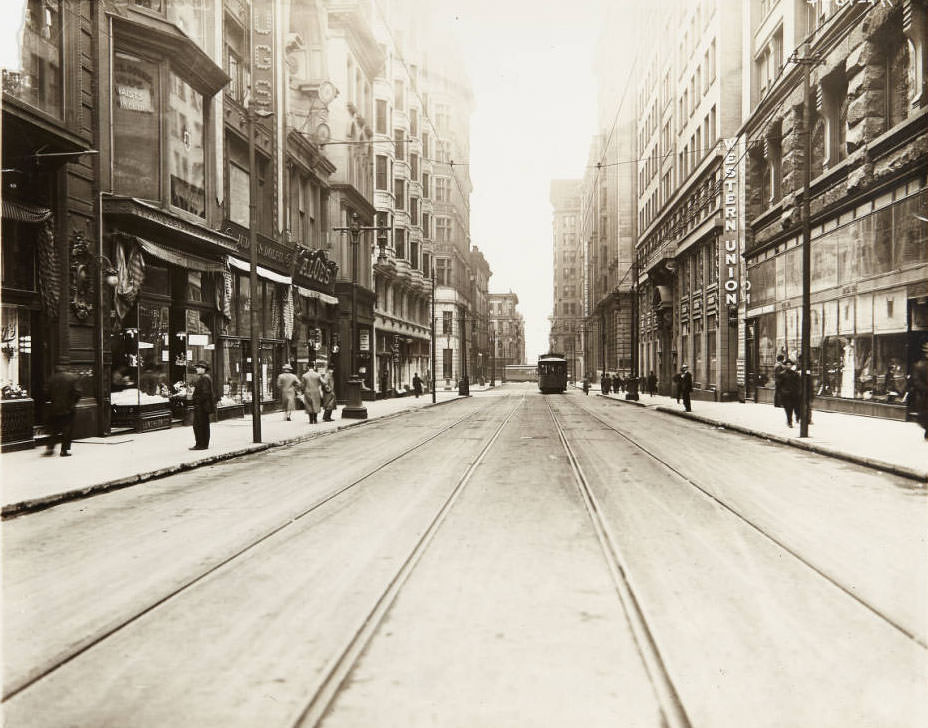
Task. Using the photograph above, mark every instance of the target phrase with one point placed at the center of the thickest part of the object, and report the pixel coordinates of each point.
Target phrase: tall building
(507, 332)
(688, 97)
(566, 334)
(868, 164)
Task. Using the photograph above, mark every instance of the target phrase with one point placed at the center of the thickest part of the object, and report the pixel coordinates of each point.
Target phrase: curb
(882, 465)
(33, 505)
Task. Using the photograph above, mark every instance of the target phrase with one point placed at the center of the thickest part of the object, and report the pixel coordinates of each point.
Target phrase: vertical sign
(262, 55)
(731, 248)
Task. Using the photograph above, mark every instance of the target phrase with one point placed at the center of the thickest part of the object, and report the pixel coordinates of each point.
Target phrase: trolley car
(552, 373)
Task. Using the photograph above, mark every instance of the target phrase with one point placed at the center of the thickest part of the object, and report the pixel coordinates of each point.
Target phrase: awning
(309, 293)
(21, 212)
(263, 272)
(184, 260)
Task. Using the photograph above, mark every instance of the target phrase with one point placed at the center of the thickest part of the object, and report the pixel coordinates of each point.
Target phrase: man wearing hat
(686, 386)
(789, 387)
(204, 405)
(288, 384)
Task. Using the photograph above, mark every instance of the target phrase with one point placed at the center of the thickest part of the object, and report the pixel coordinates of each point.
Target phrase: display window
(233, 374)
(15, 352)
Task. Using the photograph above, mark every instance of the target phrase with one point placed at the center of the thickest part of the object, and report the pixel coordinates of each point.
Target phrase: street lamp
(355, 409)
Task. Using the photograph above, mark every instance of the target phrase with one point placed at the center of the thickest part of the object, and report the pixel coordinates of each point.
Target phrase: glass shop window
(136, 127)
(15, 352)
(199, 342)
(38, 83)
(232, 367)
(186, 158)
(19, 255)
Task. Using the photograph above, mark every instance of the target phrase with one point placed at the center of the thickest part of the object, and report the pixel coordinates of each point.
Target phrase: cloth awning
(309, 293)
(21, 212)
(184, 260)
(263, 272)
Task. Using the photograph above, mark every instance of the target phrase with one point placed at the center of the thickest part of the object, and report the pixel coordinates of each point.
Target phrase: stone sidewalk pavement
(890, 445)
(30, 481)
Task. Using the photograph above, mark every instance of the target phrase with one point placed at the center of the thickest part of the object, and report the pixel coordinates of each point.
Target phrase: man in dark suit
(63, 394)
(203, 405)
(686, 386)
(789, 388)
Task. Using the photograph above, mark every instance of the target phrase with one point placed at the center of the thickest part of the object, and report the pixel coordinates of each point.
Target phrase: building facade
(689, 109)
(567, 334)
(868, 201)
(507, 333)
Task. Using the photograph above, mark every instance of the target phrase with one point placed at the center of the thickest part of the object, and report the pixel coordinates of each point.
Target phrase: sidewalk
(31, 481)
(890, 445)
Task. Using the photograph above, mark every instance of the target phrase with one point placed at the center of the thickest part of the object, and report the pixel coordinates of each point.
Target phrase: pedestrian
(604, 383)
(676, 385)
(789, 391)
(312, 394)
(919, 388)
(288, 384)
(617, 383)
(686, 386)
(778, 370)
(63, 394)
(586, 386)
(204, 404)
(652, 383)
(328, 394)
(416, 384)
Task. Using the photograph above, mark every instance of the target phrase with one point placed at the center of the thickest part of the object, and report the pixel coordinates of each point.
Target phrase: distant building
(507, 331)
(566, 333)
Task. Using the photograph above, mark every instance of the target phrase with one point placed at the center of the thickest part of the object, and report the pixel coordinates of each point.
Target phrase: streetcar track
(759, 529)
(61, 661)
(342, 665)
(671, 706)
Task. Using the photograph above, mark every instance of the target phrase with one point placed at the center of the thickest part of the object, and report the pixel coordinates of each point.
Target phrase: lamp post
(253, 258)
(355, 409)
(492, 357)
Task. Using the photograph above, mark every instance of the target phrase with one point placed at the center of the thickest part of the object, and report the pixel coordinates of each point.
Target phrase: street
(507, 559)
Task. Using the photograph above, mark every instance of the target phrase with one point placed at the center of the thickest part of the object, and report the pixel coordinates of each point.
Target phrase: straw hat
(287, 368)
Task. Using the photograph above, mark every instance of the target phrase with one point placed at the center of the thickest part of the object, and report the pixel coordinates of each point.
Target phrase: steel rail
(760, 530)
(340, 667)
(79, 650)
(671, 706)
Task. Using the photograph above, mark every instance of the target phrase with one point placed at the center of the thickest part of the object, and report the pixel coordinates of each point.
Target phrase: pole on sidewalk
(253, 256)
(434, 377)
(805, 378)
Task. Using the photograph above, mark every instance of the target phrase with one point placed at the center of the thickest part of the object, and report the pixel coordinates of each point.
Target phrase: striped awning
(184, 260)
(22, 212)
(262, 272)
(310, 293)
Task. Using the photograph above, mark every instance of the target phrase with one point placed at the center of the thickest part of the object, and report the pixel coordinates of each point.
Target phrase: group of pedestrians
(612, 383)
(317, 388)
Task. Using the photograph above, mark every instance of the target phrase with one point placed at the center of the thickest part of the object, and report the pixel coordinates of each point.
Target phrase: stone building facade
(868, 202)
(507, 333)
(567, 317)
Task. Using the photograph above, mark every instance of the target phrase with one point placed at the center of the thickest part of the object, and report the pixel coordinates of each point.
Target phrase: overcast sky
(530, 64)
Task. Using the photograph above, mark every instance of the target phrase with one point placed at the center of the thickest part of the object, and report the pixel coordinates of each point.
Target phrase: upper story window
(398, 95)
(236, 61)
(191, 16)
(152, 161)
(380, 117)
(39, 82)
(769, 62)
(414, 122)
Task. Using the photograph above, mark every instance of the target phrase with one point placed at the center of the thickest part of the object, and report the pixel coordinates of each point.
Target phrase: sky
(530, 64)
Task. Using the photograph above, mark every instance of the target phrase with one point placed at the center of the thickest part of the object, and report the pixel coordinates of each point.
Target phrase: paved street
(508, 559)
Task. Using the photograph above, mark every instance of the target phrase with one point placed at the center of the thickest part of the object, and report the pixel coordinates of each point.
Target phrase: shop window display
(15, 352)
(233, 383)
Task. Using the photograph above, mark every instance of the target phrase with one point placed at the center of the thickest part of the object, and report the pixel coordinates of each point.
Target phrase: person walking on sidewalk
(686, 386)
(417, 385)
(586, 386)
(312, 394)
(328, 394)
(288, 384)
(778, 370)
(203, 405)
(919, 385)
(604, 383)
(676, 386)
(788, 387)
(652, 383)
(63, 394)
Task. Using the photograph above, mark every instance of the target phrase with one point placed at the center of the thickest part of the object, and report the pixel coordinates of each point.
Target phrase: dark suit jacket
(203, 393)
(62, 392)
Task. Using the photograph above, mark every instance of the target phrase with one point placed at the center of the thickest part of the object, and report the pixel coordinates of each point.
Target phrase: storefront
(869, 305)
(166, 311)
(315, 339)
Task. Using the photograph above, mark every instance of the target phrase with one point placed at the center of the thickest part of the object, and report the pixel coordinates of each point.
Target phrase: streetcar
(552, 373)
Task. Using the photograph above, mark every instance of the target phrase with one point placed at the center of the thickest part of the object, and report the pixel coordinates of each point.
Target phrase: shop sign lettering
(315, 266)
(262, 55)
(730, 241)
